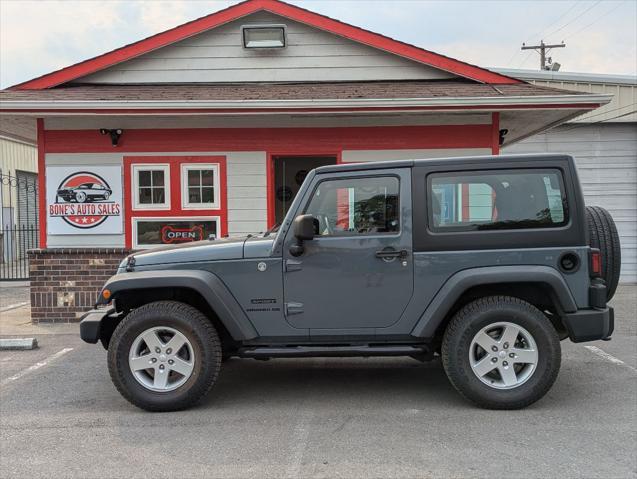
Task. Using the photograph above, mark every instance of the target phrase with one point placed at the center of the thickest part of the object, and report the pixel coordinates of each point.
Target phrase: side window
(200, 185)
(356, 206)
(512, 199)
(150, 186)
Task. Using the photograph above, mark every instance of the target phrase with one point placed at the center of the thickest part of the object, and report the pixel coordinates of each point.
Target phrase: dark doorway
(289, 173)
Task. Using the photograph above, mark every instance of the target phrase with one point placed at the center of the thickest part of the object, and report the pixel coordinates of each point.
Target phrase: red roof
(277, 7)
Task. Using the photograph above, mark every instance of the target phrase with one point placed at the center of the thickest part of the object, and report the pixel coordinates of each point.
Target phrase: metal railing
(15, 241)
(19, 224)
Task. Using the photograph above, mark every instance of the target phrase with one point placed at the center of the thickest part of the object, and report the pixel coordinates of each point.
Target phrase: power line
(594, 21)
(539, 34)
(613, 109)
(576, 18)
(535, 35)
(580, 125)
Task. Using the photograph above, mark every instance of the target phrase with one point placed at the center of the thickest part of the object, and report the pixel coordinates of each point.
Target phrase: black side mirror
(305, 228)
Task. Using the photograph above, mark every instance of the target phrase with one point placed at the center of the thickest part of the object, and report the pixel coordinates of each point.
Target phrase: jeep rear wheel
(501, 353)
(164, 356)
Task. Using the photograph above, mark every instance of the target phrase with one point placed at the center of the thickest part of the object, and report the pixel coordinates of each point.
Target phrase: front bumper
(94, 323)
(590, 324)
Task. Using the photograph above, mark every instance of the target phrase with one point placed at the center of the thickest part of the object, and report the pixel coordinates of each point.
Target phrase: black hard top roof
(489, 160)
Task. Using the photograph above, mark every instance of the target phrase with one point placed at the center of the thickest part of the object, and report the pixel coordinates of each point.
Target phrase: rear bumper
(590, 324)
(91, 324)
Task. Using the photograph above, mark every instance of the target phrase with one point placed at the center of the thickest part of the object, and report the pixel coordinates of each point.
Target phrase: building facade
(208, 130)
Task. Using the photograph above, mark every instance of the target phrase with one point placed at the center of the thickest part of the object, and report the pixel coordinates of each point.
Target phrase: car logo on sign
(82, 200)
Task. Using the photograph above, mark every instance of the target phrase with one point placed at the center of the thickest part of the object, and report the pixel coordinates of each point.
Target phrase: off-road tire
(488, 310)
(603, 235)
(192, 324)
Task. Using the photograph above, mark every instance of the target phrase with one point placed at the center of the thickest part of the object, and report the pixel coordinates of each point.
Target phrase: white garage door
(606, 157)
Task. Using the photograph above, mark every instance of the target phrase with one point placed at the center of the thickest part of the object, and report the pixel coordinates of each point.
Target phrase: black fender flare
(207, 284)
(461, 281)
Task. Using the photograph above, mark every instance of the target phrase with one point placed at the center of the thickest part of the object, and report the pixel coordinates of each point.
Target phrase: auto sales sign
(84, 200)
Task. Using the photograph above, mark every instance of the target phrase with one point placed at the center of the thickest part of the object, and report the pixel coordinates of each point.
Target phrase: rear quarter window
(496, 200)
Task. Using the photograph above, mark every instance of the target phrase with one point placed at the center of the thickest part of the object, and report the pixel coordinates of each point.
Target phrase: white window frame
(156, 219)
(185, 204)
(136, 168)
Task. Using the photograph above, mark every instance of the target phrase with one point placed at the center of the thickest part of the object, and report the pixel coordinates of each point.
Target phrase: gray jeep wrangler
(487, 262)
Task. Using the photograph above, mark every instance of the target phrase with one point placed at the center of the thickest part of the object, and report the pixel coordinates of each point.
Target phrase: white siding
(14, 156)
(359, 156)
(606, 157)
(218, 56)
(622, 108)
(246, 180)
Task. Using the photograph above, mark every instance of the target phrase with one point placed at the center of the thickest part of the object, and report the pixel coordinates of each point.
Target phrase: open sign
(171, 234)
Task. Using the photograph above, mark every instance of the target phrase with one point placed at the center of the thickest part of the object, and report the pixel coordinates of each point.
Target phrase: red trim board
(277, 7)
(41, 136)
(296, 140)
(175, 209)
(495, 133)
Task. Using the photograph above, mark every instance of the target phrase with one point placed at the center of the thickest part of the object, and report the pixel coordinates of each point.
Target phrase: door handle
(391, 253)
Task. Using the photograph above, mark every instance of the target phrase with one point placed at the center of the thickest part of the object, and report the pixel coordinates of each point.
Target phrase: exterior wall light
(114, 134)
(263, 36)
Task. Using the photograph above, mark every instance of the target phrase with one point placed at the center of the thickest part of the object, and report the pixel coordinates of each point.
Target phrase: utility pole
(543, 49)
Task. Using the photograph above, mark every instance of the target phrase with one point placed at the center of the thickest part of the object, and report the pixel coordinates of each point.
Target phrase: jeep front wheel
(164, 356)
(501, 353)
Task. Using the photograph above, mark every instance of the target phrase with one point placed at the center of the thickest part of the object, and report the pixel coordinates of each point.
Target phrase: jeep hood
(206, 250)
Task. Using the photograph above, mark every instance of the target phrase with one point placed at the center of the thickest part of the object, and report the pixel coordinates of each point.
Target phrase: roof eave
(589, 101)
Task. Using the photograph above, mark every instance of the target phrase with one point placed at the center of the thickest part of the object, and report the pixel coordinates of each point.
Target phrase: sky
(40, 36)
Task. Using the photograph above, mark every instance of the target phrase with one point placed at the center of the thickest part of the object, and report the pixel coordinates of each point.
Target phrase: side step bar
(331, 351)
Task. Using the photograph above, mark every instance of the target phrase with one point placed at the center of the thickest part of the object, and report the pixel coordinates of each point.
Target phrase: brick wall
(65, 282)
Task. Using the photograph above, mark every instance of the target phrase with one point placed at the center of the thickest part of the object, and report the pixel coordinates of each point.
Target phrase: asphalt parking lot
(60, 416)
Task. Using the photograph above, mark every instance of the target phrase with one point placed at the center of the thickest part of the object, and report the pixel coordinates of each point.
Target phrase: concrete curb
(13, 306)
(7, 344)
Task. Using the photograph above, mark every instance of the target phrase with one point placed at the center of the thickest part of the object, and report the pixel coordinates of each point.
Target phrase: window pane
(194, 195)
(500, 200)
(145, 196)
(158, 196)
(356, 206)
(207, 194)
(158, 177)
(144, 178)
(193, 178)
(207, 177)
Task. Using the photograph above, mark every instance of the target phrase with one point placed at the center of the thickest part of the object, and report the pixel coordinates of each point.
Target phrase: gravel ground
(319, 418)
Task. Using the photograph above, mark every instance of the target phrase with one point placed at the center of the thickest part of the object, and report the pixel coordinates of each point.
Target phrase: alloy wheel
(503, 355)
(161, 359)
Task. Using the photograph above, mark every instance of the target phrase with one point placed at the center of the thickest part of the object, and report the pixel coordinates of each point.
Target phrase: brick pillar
(65, 282)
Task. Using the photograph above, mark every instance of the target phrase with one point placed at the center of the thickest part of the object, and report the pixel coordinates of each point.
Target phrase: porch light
(263, 36)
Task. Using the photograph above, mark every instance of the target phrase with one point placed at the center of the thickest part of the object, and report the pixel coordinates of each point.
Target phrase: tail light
(596, 263)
